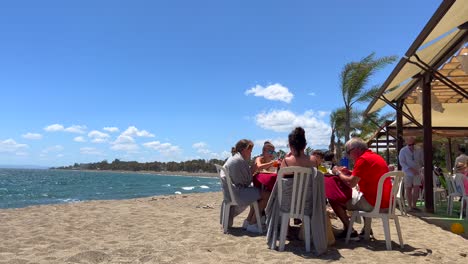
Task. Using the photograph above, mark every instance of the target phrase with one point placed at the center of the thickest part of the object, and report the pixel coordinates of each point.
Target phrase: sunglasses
(271, 152)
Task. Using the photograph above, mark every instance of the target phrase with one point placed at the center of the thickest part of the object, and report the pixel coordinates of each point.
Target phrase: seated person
(461, 159)
(266, 162)
(368, 169)
(330, 158)
(318, 155)
(297, 156)
(239, 170)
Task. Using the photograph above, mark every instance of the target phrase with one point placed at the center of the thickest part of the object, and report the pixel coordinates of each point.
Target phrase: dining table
(336, 190)
(265, 179)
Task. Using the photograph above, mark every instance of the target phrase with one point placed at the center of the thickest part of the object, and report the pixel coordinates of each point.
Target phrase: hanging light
(463, 59)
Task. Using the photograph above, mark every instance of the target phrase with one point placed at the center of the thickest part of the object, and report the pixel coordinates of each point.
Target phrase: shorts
(359, 203)
(412, 181)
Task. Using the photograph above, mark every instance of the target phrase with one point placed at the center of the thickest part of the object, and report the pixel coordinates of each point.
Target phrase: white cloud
(199, 145)
(79, 139)
(202, 148)
(90, 151)
(54, 128)
(76, 129)
(312, 94)
(164, 148)
(72, 129)
(272, 92)
(55, 148)
(32, 136)
(10, 146)
(317, 130)
(133, 131)
(124, 143)
(111, 129)
(98, 137)
(279, 143)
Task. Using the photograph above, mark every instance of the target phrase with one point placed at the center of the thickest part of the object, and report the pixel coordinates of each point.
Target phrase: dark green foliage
(199, 165)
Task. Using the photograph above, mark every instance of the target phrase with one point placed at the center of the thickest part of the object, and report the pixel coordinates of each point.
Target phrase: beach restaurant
(428, 88)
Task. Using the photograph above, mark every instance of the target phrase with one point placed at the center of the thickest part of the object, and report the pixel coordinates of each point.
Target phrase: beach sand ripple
(186, 229)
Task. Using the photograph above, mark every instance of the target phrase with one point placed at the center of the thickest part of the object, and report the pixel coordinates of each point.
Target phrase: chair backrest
(226, 183)
(450, 184)
(300, 178)
(460, 186)
(397, 180)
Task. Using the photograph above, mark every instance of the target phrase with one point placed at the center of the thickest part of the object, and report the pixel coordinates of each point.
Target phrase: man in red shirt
(368, 168)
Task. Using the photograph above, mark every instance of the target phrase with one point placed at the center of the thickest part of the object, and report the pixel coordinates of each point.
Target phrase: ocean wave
(204, 187)
(70, 200)
(188, 188)
(167, 185)
(177, 192)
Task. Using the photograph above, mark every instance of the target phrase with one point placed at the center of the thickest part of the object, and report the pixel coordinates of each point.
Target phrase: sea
(27, 187)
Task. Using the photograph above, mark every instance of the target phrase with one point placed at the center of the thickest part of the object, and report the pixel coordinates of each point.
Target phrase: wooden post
(388, 143)
(399, 130)
(427, 134)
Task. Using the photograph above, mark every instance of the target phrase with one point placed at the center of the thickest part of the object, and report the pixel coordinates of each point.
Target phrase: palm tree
(337, 121)
(308, 151)
(372, 123)
(355, 77)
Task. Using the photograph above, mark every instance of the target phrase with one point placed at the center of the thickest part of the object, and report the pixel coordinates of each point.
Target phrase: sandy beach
(186, 229)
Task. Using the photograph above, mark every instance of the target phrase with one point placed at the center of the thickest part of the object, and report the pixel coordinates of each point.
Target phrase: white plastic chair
(398, 177)
(226, 205)
(300, 181)
(438, 193)
(400, 198)
(460, 187)
(452, 192)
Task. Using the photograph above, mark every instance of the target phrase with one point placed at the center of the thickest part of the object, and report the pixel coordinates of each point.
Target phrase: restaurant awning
(428, 87)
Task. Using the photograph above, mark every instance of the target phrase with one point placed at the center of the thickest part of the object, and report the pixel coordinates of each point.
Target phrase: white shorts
(412, 181)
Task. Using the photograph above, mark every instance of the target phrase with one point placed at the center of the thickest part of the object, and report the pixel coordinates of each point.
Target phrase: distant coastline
(166, 173)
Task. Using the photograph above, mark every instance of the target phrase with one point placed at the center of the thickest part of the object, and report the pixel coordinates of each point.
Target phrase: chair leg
(397, 225)
(275, 220)
(284, 230)
(227, 209)
(307, 232)
(257, 216)
(462, 205)
(221, 213)
(388, 239)
(367, 229)
(450, 206)
(350, 227)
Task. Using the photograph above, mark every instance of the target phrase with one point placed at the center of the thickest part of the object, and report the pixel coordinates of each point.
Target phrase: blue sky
(84, 81)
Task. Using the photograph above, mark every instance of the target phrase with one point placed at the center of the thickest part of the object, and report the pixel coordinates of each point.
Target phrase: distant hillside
(23, 167)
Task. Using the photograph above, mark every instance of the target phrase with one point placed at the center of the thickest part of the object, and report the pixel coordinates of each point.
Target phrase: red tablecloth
(336, 190)
(266, 179)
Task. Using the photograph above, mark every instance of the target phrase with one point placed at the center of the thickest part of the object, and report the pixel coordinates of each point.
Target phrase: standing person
(369, 167)
(461, 159)
(239, 170)
(266, 162)
(411, 161)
